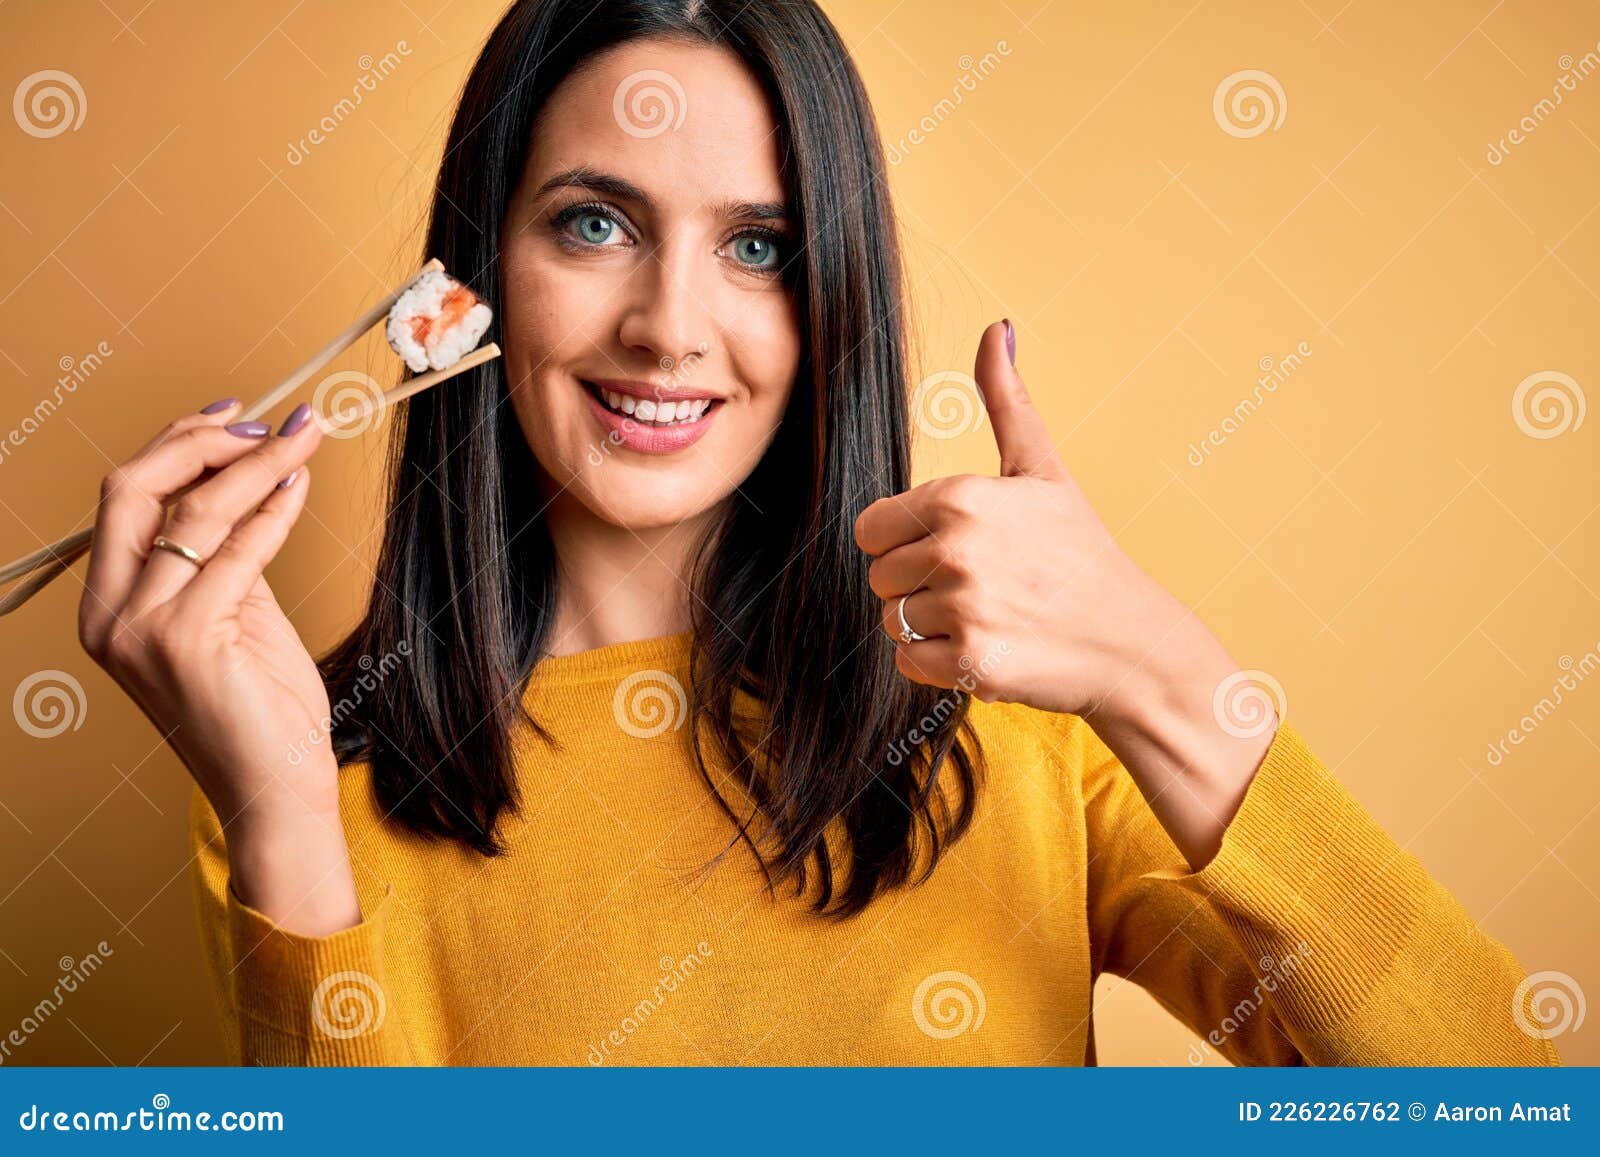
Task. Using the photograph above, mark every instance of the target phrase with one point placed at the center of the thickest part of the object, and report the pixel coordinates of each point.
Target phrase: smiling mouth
(653, 413)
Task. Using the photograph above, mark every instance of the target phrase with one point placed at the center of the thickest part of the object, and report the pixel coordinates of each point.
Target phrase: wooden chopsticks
(49, 562)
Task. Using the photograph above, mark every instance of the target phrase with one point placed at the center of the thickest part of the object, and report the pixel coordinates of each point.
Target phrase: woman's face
(641, 265)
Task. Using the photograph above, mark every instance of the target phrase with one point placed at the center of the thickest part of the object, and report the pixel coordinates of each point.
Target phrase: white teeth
(657, 413)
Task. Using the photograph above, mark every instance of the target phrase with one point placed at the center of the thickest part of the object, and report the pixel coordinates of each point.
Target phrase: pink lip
(651, 392)
(646, 437)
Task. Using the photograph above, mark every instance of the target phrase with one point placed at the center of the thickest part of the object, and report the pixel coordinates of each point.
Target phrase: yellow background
(1380, 535)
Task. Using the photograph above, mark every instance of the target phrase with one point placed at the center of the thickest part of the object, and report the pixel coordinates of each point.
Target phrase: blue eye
(756, 251)
(595, 228)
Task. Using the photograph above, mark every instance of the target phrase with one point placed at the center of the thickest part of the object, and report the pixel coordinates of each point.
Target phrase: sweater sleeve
(1312, 937)
(284, 998)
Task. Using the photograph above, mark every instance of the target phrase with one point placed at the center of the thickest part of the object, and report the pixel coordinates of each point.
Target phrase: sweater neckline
(670, 652)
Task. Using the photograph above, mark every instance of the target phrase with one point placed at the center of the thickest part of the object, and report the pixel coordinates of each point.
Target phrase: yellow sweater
(1310, 938)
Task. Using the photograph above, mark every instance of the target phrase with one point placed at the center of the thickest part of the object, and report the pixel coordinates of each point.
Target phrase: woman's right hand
(212, 660)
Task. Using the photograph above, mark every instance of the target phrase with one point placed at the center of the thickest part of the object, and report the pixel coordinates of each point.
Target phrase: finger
(919, 564)
(205, 516)
(133, 502)
(898, 519)
(218, 413)
(1019, 429)
(936, 662)
(925, 613)
(235, 569)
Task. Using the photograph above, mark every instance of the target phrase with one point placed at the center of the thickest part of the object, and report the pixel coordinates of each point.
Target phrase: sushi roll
(436, 322)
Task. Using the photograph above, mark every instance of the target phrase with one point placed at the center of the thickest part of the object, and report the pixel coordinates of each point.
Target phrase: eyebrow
(587, 177)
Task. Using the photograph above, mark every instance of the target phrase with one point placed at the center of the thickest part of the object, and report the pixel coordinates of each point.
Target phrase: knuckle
(955, 498)
(114, 484)
(193, 508)
(966, 606)
(172, 432)
(90, 637)
(262, 466)
(954, 562)
(122, 647)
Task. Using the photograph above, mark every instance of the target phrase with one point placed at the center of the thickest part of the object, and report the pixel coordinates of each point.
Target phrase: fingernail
(249, 429)
(219, 406)
(297, 418)
(1011, 342)
(289, 481)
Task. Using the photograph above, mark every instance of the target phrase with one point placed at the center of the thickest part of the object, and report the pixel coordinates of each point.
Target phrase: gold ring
(162, 542)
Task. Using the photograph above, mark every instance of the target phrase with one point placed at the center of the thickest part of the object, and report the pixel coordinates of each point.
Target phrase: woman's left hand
(1016, 582)
(1025, 597)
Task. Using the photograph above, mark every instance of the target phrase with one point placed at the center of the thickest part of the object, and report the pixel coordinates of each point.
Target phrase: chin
(650, 502)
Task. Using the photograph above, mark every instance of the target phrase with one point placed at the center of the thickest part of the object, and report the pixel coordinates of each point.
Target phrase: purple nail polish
(289, 481)
(249, 429)
(1011, 342)
(219, 406)
(296, 419)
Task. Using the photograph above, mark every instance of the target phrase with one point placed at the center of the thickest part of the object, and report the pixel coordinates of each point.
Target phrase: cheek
(551, 311)
(764, 343)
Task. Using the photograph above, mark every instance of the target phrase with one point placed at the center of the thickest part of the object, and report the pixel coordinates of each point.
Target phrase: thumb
(1019, 429)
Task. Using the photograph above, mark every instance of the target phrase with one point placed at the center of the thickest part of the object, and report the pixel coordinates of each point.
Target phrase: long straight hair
(465, 583)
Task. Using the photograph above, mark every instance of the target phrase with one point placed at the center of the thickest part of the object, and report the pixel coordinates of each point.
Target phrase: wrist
(1162, 724)
(264, 797)
(1160, 670)
(294, 869)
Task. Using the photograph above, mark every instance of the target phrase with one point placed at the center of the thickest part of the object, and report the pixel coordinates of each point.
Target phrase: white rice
(442, 346)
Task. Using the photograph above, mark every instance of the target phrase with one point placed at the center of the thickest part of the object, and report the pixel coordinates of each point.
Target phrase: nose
(666, 316)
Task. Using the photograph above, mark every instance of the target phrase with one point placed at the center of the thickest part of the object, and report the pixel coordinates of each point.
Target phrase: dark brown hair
(784, 614)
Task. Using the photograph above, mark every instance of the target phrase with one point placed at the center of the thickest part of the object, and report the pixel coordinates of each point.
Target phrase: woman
(712, 739)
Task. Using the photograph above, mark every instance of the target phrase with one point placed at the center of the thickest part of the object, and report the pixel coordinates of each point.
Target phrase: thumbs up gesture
(1010, 587)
